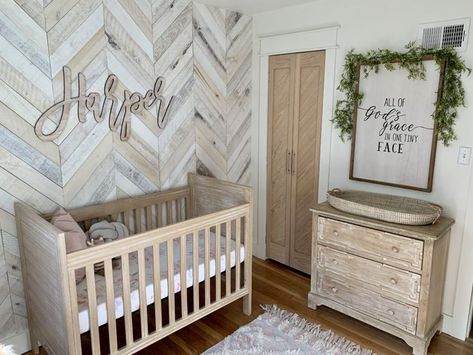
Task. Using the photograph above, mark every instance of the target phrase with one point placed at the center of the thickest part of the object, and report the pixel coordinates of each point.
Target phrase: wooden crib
(207, 208)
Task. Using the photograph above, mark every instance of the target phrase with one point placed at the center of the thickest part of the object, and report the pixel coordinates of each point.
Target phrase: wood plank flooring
(274, 283)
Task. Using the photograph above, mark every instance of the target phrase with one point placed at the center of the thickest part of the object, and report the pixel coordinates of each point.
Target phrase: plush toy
(104, 232)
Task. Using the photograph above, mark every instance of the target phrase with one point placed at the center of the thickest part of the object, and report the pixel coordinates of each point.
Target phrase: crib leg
(247, 304)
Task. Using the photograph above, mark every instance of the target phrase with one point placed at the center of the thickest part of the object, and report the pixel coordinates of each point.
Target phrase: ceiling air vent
(445, 34)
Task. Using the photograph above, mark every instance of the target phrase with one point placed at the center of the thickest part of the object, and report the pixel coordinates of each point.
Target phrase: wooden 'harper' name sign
(118, 115)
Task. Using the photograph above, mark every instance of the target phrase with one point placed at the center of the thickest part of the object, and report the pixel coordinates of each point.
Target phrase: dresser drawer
(359, 298)
(385, 247)
(387, 280)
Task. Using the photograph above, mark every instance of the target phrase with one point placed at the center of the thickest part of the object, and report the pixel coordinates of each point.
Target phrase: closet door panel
(280, 124)
(306, 145)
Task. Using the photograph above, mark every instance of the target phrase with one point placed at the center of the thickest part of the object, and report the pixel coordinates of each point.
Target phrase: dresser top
(431, 231)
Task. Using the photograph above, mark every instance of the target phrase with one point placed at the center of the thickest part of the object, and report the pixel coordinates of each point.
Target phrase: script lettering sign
(109, 107)
(394, 138)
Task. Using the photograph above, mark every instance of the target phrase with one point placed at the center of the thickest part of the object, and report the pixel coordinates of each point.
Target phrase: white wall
(371, 24)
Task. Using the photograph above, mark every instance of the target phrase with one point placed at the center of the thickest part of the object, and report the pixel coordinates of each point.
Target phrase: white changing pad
(135, 301)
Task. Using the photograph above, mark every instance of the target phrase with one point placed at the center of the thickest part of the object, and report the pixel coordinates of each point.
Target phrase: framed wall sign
(394, 136)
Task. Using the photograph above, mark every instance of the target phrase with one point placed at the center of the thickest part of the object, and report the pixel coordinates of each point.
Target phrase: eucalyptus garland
(453, 94)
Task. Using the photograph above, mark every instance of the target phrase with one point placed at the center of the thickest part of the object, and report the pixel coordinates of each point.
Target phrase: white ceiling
(253, 6)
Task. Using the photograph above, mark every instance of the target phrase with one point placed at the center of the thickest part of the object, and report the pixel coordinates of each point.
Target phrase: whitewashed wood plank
(6, 317)
(136, 162)
(25, 67)
(30, 155)
(30, 176)
(7, 222)
(25, 34)
(98, 187)
(165, 12)
(76, 182)
(54, 10)
(19, 305)
(21, 128)
(4, 287)
(66, 51)
(34, 10)
(132, 28)
(132, 174)
(69, 23)
(125, 70)
(84, 151)
(23, 86)
(140, 12)
(126, 187)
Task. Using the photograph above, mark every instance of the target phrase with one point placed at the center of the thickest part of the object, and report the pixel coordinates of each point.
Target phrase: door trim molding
(280, 43)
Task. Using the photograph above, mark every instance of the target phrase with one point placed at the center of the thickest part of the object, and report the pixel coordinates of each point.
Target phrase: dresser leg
(420, 349)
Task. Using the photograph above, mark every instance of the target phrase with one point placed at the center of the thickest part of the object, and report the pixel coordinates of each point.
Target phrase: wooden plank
(183, 269)
(157, 287)
(228, 273)
(237, 253)
(111, 322)
(195, 269)
(127, 298)
(76, 343)
(92, 299)
(207, 265)
(218, 262)
(149, 218)
(159, 209)
(171, 298)
(138, 220)
(142, 291)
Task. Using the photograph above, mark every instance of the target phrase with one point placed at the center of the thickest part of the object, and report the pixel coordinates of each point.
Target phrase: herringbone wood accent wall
(203, 52)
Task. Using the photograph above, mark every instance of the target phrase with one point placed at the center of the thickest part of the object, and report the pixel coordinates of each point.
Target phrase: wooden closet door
(280, 125)
(308, 105)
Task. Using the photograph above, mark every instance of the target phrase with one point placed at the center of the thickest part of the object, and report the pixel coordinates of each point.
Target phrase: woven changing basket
(389, 208)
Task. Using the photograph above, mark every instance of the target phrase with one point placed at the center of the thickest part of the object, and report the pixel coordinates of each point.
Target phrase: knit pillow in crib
(75, 236)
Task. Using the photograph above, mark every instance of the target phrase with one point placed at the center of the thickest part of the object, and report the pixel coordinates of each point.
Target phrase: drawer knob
(334, 290)
(394, 281)
(395, 249)
(390, 312)
(335, 233)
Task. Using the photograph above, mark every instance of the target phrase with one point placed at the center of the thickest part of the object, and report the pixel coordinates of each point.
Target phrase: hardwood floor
(274, 283)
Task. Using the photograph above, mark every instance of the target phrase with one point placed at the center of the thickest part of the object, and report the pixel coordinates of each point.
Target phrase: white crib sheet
(135, 302)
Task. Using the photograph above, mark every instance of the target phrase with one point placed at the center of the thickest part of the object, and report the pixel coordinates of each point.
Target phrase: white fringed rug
(281, 332)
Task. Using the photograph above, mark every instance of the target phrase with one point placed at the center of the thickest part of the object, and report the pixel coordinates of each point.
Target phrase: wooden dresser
(388, 275)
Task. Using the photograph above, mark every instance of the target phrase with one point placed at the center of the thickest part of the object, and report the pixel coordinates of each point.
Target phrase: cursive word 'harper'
(118, 115)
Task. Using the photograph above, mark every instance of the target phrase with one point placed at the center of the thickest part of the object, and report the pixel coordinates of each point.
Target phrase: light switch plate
(464, 155)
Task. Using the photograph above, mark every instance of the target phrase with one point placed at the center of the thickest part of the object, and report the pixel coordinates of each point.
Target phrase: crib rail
(140, 214)
(233, 224)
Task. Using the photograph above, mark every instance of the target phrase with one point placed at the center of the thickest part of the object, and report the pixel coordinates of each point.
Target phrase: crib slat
(171, 303)
(218, 262)
(237, 253)
(126, 220)
(138, 220)
(126, 299)
(159, 212)
(178, 210)
(149, 218)
(228, 273)
(195, 269)
(75, 312)
(142, 290)
(92, 298)
(169, 212)
(207, 266)
(184, 276)
(187, 206)
(112, 325)
(157, 286)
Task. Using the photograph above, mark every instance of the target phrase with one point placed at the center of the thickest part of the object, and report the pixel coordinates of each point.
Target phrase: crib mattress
(133, 258)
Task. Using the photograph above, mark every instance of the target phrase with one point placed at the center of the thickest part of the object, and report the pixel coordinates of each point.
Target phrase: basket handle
(438, 209)
(335, 191)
